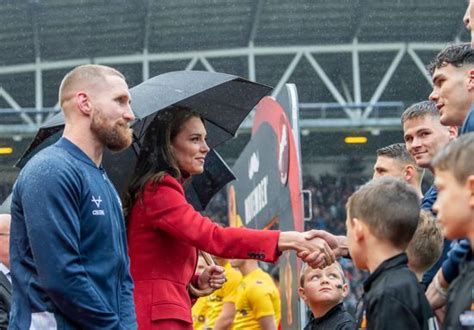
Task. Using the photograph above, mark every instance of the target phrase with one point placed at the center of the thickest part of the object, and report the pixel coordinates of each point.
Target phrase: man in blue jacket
(69, 260)
(453, 91)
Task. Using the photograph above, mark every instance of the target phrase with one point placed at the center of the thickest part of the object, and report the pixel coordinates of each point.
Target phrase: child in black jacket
(382, 217)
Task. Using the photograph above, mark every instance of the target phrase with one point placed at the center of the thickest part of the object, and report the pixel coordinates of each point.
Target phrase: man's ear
(453, 132)
(408, 172)
(470, 83)
(470, 186)
(302, 294)
(83, 103)
(358, 229)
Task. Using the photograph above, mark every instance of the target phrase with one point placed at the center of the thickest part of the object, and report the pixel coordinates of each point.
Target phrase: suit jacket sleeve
(168, 210)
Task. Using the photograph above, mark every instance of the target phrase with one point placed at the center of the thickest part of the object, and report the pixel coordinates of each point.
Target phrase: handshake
(317, 248)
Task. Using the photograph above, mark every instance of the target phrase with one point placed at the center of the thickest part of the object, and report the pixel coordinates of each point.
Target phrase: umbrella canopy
(223, 100)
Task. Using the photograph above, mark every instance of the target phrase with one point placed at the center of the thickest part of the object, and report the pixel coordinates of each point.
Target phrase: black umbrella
(223, 100)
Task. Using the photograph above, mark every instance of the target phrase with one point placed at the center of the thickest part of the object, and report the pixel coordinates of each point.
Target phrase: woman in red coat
(165, 232)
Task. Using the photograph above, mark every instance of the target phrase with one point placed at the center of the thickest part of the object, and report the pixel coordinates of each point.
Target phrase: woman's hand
(212, 277)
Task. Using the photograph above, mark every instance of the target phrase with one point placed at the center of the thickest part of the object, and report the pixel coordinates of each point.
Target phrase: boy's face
(454, 204)
(324, 285)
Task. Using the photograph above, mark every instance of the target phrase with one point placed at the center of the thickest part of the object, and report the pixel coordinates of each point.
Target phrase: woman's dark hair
(155, 158)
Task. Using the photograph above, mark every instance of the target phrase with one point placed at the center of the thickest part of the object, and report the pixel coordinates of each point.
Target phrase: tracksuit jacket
(335, 319)
(449, 261)
(393, 299)
(460, 305)
(68, 248)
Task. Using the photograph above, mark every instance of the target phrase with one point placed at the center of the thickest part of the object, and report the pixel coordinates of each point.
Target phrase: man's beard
(115, 137)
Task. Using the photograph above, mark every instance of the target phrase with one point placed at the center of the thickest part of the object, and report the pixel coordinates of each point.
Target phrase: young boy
(426, 245)
(454, 178)
(382, 217)
(323, 290)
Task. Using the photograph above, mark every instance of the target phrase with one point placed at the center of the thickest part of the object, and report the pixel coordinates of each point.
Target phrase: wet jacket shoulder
(336, 319)
(468, 125)
(394, 299)
(459, 312)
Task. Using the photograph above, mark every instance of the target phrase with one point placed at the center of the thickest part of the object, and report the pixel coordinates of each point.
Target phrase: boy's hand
(338, 244)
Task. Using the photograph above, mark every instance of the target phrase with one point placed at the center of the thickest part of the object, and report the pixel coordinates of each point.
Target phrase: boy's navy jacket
(460, 305)
(69, 262)
(335, 319)
(394, 299)
(458, 249)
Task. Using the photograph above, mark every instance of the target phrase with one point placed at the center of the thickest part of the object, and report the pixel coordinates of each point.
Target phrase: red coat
(163, 237)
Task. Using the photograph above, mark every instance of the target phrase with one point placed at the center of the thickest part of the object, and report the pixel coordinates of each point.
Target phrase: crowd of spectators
(329, 196)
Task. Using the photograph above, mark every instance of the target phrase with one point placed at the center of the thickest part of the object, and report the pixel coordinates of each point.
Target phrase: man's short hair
(426, 246)
(456, 158)
(457, 55)
(390, 208)
(399, 152)
(89, 73)
(305, 268)
(420, 110)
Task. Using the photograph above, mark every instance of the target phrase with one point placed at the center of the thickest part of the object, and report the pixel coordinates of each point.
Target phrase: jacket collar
(394, 262)
(336, 309)
(75, 151)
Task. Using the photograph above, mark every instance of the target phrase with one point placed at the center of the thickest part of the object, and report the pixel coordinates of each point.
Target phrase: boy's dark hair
(390, 208)
(456, 55)
(420, 110)
(456, 158)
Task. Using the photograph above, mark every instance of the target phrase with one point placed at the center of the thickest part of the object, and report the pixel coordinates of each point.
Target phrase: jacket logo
(97, 202)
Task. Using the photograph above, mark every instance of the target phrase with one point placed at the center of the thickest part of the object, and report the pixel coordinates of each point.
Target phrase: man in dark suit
(5, 281)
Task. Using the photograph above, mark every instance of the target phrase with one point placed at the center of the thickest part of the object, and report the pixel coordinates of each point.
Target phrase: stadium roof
(361, 52)
(356, 63)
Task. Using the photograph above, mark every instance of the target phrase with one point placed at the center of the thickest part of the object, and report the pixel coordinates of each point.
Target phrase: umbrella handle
(203, 292)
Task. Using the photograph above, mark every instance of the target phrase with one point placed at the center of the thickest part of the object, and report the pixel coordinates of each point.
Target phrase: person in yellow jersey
(221, 303)
(198, 312)
(200, 307)
(258, 302)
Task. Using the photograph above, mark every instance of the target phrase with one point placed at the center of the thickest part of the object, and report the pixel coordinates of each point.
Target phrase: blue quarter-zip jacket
(460, 248)
(69, 262)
